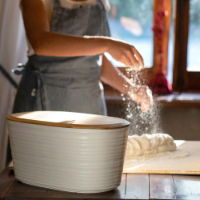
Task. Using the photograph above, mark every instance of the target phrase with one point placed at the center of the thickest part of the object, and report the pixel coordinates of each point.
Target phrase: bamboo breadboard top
(69, 120)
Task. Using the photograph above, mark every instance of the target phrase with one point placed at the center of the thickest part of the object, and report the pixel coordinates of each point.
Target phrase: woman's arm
(47, 43)
(113, 77)
(116, 79)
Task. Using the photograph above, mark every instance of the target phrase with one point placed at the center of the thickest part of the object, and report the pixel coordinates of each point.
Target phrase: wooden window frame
(183, 80)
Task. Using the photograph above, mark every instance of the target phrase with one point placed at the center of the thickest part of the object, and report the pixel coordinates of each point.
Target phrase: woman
(67, 38)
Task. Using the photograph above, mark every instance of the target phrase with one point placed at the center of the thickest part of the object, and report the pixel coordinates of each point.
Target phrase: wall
(12, 51)
(183, 123)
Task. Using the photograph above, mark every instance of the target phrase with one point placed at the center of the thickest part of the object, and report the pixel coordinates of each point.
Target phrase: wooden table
(133, 186)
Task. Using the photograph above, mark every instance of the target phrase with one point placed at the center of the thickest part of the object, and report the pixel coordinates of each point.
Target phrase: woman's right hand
(126, 54)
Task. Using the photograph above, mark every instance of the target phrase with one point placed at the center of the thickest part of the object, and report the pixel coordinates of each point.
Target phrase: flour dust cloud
(140, 122)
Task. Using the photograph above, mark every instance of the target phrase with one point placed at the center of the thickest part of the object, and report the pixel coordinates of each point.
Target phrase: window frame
(183, 80)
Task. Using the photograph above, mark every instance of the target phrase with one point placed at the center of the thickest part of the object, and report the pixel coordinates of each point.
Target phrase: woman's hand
(143, 96)
(126, 54)
(115, 78)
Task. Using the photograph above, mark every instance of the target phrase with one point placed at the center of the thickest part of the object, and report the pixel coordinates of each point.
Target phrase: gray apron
(66, 83)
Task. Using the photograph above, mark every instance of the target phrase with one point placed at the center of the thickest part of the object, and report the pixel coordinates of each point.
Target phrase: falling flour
(140, 122)
(145, 138)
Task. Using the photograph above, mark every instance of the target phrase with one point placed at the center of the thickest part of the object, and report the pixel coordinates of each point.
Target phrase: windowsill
(184, 99)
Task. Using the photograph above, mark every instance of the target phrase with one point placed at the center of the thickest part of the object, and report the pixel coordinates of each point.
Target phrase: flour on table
(148, 145)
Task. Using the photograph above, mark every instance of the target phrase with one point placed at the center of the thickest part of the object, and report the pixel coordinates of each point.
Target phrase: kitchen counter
(133, 186)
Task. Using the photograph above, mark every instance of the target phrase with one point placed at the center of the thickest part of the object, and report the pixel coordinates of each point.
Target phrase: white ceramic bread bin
(68, 151)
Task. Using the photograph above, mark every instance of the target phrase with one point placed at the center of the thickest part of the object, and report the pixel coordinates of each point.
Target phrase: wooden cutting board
(186, 160)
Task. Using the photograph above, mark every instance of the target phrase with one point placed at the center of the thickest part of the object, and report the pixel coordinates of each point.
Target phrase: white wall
(12, 51)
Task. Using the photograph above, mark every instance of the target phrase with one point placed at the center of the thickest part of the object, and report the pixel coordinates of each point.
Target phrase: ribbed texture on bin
(68, 159)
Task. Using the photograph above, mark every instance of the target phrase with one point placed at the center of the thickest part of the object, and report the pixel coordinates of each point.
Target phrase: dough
(148, 144)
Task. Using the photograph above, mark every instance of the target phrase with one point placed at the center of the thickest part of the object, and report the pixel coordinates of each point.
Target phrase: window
(187, 41)
(193, 63)
(131, 21)
(142, 23)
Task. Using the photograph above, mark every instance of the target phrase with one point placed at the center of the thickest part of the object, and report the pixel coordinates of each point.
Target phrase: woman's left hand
(126, 54)
(143, 96)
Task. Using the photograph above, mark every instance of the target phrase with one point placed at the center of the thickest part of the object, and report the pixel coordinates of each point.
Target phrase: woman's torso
(67, 83)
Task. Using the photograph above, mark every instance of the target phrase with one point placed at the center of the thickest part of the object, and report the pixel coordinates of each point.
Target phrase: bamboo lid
(69, 120)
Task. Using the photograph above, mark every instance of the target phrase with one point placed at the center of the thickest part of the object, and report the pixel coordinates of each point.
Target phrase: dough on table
(148, 144)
